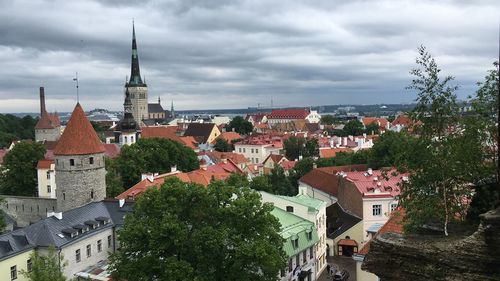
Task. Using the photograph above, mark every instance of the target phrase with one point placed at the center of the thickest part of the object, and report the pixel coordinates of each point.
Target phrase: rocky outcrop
(475, 257)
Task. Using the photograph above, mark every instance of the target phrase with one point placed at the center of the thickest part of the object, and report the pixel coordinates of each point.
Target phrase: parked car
(341, 275)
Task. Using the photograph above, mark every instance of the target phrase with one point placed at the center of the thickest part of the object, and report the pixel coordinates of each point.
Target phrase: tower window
(92, 194)
(72, 162)
(91, 160)
(64, 196)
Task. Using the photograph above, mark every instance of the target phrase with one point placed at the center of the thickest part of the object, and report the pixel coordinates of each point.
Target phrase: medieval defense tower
(48, 127)
(79, 157)
(137, 89)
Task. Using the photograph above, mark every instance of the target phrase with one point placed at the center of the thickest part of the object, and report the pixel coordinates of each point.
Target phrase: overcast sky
(235, 54)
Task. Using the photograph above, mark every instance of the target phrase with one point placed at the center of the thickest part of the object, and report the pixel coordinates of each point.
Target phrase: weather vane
(77, 95)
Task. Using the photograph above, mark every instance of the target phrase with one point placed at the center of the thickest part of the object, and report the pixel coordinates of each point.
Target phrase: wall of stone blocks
(26, 210)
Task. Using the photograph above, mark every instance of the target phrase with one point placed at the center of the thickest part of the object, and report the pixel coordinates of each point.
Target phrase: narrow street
(340, 263)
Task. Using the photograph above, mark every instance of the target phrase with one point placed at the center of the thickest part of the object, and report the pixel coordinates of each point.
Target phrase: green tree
(155, 155)
(389, 149)
(186, 232)
(18, 174)
(281, 183)
(15, 128)
(295, 147)
(45, 267)
(222, 145)
(240, 125)
(237, 180)
(328, 119)
(353, 128)
(114, 183)
(261, 183)
(99, 129)
(2, 217)
(372, 128)
(444, 159)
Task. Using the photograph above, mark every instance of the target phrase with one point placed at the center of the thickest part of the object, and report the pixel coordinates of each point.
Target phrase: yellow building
(15, 251)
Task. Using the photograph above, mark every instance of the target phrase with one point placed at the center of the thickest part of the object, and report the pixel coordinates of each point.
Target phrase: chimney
(42, 100)
(121, 202)
(370, 171)
(148, 176)
(203, 164)
(58, 215)
(223, 158)
(315, 166)
(173, 168)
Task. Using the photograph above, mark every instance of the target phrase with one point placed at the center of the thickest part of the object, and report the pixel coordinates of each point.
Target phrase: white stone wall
(139, 98)
(47, 134)
(44, 182)
(316, 193)
(369, 219)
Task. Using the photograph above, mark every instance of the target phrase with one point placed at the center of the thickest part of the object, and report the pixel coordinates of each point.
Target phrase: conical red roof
(45, 122)
(79, 136)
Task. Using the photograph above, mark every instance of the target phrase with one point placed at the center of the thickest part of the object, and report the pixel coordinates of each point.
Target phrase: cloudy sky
(234, 54)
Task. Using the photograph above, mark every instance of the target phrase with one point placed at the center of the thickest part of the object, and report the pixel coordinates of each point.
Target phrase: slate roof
(201, 131)
(339, 220)
(155, 108)
(14, 243)
(79, 136)
(48, 231)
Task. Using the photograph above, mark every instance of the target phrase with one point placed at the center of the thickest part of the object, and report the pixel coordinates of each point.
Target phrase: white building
(257, 152)
(46, 176)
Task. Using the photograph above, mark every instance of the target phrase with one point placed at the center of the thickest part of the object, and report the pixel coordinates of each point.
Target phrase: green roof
(295, 228)
(312, 203)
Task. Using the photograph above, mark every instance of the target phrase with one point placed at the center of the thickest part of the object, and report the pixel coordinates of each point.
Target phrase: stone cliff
(476, 257)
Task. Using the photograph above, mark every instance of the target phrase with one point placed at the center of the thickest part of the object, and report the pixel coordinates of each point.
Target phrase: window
(132, 139)
(125, 139)
(290, 266)
(48, 175)
(29, 265)
(295, 243)
(289, 209)
(304, 256)
(297, 260)
(13, 272)
(89, 251)
(377, 210)
(99, 246)
(257, 160)
(311, 254)
(251, 150)
(78, 256)
(256, 150)
(48, 188)
(92, 194)
(109, 241)
(394, 206)
(72, 162)
(244, 150)
(239, 150)
(309, 235)
(64, 196)
(91, 160)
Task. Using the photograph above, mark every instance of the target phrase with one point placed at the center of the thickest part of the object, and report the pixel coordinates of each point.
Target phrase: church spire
(135, 72)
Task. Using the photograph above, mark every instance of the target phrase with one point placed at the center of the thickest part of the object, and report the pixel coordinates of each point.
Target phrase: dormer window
(289, 209)
(295, 243)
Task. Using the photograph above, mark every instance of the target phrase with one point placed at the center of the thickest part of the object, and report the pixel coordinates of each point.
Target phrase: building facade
(137, 89)
(46, 175)
(48, 127)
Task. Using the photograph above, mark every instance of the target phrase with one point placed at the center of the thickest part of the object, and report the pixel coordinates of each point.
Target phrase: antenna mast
(77, 94)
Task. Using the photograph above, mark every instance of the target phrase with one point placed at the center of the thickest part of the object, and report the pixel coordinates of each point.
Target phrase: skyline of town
(254, 54)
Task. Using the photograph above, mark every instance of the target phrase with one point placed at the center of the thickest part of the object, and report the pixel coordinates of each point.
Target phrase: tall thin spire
(135, 72)
(172, 113)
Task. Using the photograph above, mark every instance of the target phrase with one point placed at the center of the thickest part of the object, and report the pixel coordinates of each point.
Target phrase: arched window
(92, 194)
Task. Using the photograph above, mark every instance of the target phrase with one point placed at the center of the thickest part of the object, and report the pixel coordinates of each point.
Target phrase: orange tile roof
(230, 136)
(382, 122)
(44, 164)
(216, 156)
(79, 136)
(201, 176)
(166, 132)
(394, 225)
(46, 121)
(292, 113)
(189, 141)
(347, 242)
(401, 120)
(331, 152)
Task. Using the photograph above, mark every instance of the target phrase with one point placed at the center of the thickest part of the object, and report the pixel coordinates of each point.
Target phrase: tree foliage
(222, 145)
(240, 125)
(114, 183)
(328, 119)
(155, 155)
(448, 155)
(184, 231)
(372, 128)
(353, 128)
(15, 128)
(296, 148)
(45, 267)
(389, 149)
(18, 174)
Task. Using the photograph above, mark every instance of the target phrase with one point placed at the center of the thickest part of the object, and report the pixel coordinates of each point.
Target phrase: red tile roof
(79, 136)
(347, 242)
(394, 225)
(112, 150)
(402, 120)
(331, 152)
(326, 179)
(381, 122)
(376, 185)
(189, 141)
(44, 164)
(166, 132)
(297, 113)
(216, 156)
(287, 164)
(201, 176)
(47, 121)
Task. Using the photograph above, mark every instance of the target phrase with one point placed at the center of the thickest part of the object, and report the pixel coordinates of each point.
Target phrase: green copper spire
(135, 72)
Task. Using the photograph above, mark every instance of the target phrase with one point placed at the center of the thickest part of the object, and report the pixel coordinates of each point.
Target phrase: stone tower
(127, 131)
(137, 89)
(79, 157)
(48, 127)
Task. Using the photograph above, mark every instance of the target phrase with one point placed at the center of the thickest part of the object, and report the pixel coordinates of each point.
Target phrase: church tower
(79, 157)
(127, 131)
(137, 89)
